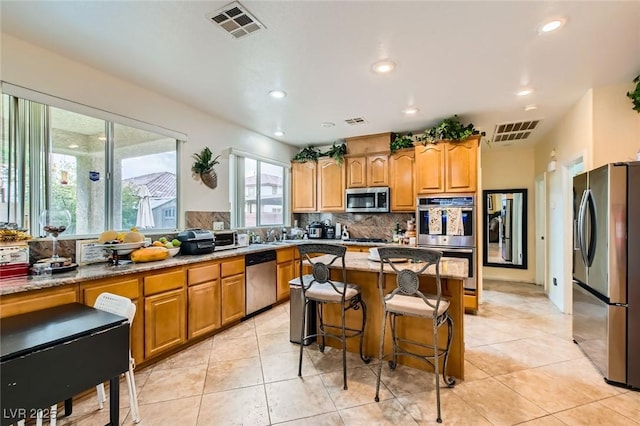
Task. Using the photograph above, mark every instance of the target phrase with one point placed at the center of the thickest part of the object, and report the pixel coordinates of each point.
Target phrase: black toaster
(196, 241)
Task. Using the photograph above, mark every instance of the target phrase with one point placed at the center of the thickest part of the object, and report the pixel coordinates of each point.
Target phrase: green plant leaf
(401, 142)
(635, 95)
(307, 154)
(204, 162)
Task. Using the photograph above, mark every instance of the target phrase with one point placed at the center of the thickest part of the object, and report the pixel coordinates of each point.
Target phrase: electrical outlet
(555, 281)
(218, 226)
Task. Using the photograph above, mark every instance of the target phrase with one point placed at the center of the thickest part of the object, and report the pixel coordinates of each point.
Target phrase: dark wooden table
(50, 355)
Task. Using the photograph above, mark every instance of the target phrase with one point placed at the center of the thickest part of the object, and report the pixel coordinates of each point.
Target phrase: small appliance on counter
(316, 230)
(196, 241)
(242, 240)
(225, 240)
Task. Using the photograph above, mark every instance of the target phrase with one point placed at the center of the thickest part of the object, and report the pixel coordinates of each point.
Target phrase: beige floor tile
(543, 390)
(244, 329)
(361, 383)
(273, 323)
(497, 403)
(406, 381)
(328, 419)
(231, 349)
(246, 406)
(191, 356)
(454, 411)
(582, 375)
(331, 359)
(165, 385)
(550, 420)
(93, 418)
(627, 404)
(297, 398)
(389, 412)
(595, 413)
(233, 374)
(492, 361)
(285, 366)
(183, 412)
(269, 344)
(471, 372)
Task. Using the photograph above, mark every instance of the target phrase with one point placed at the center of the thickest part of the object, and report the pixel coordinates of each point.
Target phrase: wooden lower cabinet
(164, 322)
(204, 308)
(233, 298)
(20, 303)
(285, 268)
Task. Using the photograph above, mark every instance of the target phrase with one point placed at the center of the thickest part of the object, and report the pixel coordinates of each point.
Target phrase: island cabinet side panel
(129, 286)
(29, 301)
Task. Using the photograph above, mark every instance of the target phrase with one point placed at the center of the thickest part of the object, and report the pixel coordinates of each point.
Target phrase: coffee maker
(316, 230)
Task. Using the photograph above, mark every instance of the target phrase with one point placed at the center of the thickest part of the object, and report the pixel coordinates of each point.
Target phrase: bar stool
(318, 287)
(407, 300)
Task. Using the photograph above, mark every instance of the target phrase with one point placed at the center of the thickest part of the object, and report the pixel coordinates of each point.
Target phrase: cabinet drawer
(285, 254)
(203, 274)
(163, 282)
(20, 303)
(232, 267)
(127, 288)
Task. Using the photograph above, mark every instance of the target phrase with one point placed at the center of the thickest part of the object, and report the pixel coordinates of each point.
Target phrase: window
(106, 174)
(259, 186)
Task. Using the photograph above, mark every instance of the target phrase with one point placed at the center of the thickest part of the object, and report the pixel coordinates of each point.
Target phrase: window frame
(236, 189)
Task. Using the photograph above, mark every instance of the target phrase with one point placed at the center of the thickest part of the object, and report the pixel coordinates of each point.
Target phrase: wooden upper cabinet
(303, 187)
(447, 167)
(356, 171)
(331, 185)
(430, 168)
(402, 181)
(461, 164)
(378, 170)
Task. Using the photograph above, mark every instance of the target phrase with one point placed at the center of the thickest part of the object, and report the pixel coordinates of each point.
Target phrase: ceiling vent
(518, 130)
(355, 121)
(235, 20)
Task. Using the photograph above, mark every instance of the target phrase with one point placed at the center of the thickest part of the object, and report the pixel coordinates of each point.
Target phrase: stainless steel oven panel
(466, 240)
(461, 253)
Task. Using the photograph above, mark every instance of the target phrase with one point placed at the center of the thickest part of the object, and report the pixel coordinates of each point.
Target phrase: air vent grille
(235, 20)
(355, 121)
(518, 130)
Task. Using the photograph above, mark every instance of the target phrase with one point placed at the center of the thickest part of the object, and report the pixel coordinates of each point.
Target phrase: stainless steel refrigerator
(606, 270)
(507, 229)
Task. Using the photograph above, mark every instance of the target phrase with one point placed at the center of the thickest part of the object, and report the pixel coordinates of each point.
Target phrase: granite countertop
(449, 267)
(103, 270)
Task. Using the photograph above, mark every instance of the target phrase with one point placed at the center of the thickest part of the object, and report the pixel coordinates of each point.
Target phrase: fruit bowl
(173, 251)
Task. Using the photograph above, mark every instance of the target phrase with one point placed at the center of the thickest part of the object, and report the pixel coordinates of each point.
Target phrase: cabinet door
(461, 160)
(303, 187)
(378, 170)
(356, 172)
(430, 168)
(331, 186)
(164, 322)
(402, 181)
(204, 308)
(233, 298)
(284, 274)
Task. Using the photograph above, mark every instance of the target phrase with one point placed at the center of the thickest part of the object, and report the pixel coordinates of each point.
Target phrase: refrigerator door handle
(593, 222)
(581, 219)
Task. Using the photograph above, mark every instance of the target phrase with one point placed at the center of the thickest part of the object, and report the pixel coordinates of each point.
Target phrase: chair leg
(436, 366)
(133, 394)
(449, 381)
(102, 396)
(366, 359)
(39, 417)
(381, 354)
(394, 360)
(20, 422)
(53, 415)
(305, 307)
(321, 325)
(343, 340)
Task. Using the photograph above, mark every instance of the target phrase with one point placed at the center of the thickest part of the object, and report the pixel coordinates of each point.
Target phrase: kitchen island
(364, 272)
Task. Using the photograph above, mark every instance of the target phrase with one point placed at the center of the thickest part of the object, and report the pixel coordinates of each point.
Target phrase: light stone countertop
(451, 268)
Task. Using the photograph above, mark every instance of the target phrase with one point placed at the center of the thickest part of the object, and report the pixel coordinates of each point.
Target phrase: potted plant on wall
(203, 166)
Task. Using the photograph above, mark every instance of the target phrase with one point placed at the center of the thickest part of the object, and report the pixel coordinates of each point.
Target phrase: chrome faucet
(271, 235)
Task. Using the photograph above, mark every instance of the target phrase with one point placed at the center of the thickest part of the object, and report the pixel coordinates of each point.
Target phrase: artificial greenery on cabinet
(635, 95)
(449, 129)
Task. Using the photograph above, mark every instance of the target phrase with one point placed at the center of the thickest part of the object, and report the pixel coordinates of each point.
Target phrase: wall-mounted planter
(210, 178)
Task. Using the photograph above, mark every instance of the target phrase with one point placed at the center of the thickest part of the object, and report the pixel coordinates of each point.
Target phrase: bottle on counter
(345, 233)
(338, 232)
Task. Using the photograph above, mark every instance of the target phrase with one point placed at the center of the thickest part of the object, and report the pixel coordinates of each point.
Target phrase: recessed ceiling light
(531, 107)
(278, 133)
(327, 124)
(551, 25)
(383, 67)
(524, 91)
(411, 110)
(277, 94)
(73, 146)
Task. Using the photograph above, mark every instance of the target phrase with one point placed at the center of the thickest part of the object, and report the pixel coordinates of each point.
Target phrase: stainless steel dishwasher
(261, 282)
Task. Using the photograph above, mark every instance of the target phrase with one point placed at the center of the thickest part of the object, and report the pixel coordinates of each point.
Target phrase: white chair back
(117, 305)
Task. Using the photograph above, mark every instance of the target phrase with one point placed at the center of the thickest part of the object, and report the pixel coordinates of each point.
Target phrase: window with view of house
(106, 174)
(260, 193)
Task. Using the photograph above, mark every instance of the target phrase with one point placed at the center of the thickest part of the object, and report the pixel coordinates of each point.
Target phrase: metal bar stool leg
(343, 341)
(381, 354)
(436, 367)
(305, 307)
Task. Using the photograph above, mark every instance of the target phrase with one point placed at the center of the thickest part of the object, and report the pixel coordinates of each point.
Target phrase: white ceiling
(465, 58)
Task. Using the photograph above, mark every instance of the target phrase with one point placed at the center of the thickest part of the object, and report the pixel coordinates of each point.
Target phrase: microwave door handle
(593, 222)
(581, 220)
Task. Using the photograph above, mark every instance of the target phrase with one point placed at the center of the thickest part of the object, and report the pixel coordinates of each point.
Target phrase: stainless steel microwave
(367, 200)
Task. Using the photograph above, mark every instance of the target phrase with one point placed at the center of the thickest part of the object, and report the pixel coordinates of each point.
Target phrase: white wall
(35, 68)
(600, 128)
(512, 169)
